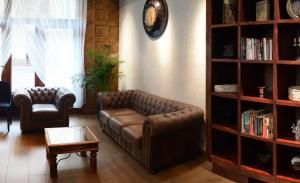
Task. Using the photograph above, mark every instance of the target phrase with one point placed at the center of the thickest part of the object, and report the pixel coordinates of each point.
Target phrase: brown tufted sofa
(156, 131)
(43, 107)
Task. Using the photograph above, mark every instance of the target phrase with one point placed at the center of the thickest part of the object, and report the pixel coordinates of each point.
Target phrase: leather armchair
(43, 107)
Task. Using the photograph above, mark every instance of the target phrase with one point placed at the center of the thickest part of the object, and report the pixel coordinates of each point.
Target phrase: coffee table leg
(93, 161)
(53, 165)
(83, 153)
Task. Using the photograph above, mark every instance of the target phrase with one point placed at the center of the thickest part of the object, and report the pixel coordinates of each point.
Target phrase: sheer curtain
(55, 46)
(5, 33)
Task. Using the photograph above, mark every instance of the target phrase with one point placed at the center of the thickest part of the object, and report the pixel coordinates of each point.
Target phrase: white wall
(172, 66)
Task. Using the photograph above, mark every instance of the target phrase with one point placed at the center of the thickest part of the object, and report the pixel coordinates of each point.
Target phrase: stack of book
(256, 122)
(257, 49)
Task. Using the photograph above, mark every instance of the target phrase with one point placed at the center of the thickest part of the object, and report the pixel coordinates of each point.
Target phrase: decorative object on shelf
(261, 91)
(294, 93)
(296, 45)
(296, 130)
(265, 158)
(295, 162)
(155, 17)
(293, 8)
(226, 88)
(229, 11)
(262, 10)
(228, 51)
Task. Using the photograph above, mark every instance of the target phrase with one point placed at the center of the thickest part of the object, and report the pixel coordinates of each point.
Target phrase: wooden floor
(23, 159)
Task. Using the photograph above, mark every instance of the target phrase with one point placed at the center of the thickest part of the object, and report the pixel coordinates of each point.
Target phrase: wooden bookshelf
(243, 156)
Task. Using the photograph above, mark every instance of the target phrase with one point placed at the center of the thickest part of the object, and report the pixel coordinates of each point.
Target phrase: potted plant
(100, 75)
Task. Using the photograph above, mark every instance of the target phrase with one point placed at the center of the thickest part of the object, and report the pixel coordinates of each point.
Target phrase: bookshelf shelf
(257, 61)
(289, 21)
(257, 99)
(224, 25)
(229, 95)
(225, 60)
(288, 62)
(256, 137)
(226, 128)
(271, 22)
(277, 70)
(256, 170)
(288, 178)
(288, 103)
(288, 142)
(218, 159)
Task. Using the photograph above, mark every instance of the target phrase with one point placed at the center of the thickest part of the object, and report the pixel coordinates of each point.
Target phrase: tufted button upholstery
(157, 131)
(43, 107)
(42, 95)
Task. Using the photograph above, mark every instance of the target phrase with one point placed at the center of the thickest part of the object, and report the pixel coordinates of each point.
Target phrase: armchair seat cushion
(118, 122)
(106, 114)
(44, 111)
(133, 134)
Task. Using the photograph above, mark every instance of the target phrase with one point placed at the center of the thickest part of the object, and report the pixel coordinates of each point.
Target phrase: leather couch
(43, 107)
(156, 131)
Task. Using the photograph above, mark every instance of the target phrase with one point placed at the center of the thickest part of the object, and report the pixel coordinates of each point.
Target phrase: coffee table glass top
(69, 135)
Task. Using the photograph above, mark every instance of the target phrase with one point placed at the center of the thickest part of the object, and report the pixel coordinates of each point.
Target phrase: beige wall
(172, 66)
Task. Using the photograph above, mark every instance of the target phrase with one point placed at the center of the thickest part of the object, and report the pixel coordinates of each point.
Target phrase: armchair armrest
(64, 99)
(22, 98)
(172, 137)
(108, 100)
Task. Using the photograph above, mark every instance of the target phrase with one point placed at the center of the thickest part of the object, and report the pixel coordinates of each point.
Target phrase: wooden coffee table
(70, 140)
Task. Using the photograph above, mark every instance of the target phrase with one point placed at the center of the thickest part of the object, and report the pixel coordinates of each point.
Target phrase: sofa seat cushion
(118, 122)
(133, 134)
(106, 114)
(44, 112)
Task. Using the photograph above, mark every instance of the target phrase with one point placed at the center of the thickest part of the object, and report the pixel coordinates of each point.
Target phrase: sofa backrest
(149, 104)
(42, 95)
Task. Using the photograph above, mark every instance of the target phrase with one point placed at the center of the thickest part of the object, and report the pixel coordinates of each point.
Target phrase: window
(22, 70)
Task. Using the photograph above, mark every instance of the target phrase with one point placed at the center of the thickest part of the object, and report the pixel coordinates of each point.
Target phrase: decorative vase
(261, 91)
(295, 162)
(296, 130)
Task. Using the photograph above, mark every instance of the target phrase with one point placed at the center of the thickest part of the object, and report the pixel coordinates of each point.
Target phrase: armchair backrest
(42, 95)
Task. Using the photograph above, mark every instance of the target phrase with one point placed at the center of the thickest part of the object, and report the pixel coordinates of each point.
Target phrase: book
(256, 48)
(256, 122)
(229, 11)
(262, 10)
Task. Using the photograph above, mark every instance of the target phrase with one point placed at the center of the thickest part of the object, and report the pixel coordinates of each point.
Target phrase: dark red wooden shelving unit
(234, 154)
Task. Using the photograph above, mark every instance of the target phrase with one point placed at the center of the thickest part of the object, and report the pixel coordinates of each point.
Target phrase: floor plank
(23, 159)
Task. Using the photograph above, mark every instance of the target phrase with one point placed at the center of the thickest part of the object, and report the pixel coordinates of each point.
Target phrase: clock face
(155, 17)
(150, 16)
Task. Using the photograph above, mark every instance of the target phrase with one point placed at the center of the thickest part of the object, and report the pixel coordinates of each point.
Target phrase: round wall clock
(155, 17)
(293, 8)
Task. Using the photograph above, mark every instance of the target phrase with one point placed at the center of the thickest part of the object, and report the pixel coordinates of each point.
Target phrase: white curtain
(55, 44)
(5, 33)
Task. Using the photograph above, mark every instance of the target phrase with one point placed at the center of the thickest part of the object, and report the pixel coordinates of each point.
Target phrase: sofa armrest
(172, 137)
(22, 99)
(112, 100)
(64, 99)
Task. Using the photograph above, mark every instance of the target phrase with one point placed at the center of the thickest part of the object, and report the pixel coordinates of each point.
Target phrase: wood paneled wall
(102, 28)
